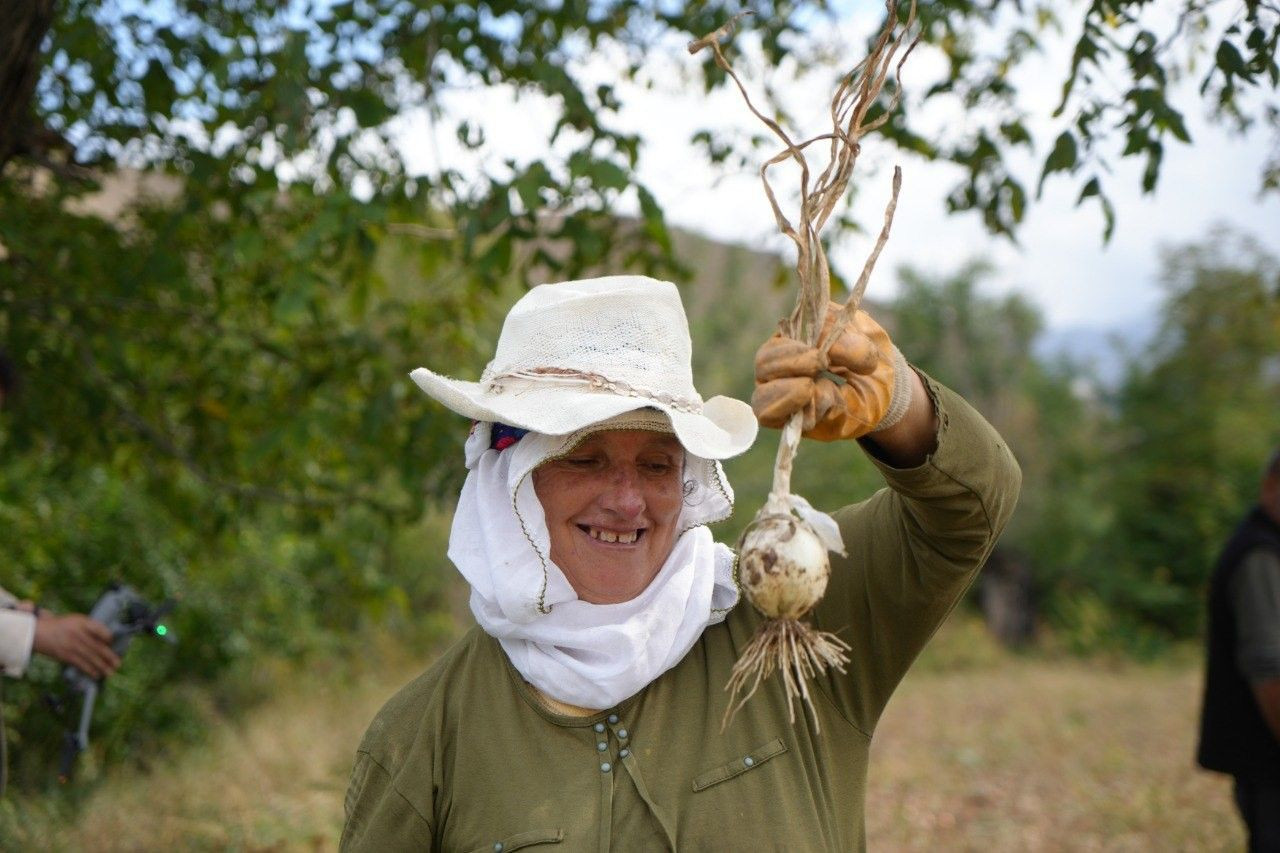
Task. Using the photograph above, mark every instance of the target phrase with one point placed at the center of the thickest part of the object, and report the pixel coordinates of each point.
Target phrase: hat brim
(726, 427)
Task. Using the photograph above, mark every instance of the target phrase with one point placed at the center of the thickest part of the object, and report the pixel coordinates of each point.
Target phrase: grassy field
(979, 750)
(983, 750)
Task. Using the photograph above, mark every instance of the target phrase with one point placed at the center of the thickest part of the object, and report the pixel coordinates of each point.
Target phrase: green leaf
(654, 221)
(1091, 188)
(1015, 133)
(530, 183)
(1061, 159)
(1151, 172)
(157, 87)
(1172, 119)
(608, 175)
(1017, 199)
(1136, 140)
(603, 174)
(1228, 59)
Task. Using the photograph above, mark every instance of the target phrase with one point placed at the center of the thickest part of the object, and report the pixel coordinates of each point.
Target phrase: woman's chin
(612, 584)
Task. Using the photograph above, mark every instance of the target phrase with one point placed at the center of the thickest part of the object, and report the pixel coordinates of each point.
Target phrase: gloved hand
(860, 386)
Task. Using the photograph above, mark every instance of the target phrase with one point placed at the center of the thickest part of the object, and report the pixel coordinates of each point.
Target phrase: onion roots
(794, 649)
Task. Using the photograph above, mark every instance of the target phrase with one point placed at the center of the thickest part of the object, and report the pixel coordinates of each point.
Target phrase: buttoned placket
(606, 772)
(626, 757)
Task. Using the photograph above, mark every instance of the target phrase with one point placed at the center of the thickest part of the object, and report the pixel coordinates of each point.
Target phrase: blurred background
(229, 229)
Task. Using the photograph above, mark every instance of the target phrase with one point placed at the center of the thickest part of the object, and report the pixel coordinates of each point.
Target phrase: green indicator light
(161, 630)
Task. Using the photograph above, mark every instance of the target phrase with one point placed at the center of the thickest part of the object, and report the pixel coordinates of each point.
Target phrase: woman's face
(611, 506)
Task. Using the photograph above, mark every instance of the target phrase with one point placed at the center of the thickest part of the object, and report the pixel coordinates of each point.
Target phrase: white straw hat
(576, 353)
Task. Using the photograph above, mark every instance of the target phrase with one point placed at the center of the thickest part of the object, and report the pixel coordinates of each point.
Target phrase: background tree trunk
(23, 25)
(1006, 594)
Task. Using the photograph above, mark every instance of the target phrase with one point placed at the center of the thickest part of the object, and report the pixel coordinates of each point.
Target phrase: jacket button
(606, 767)
(613, 719)
(748, 761)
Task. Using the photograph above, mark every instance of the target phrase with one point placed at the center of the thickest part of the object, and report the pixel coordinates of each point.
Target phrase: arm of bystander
(1255, 593)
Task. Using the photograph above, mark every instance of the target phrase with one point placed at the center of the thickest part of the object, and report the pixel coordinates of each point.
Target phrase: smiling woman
(611, 507)
(584, 709)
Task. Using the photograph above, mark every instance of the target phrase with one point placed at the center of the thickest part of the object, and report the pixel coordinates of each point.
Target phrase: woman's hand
(845, 394)
(77, 640)
(863, 389)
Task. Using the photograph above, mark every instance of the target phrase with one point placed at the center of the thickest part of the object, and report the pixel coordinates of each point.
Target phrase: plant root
(796, 650)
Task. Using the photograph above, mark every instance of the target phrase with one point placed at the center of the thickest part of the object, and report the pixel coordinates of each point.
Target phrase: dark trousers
(1259, 804)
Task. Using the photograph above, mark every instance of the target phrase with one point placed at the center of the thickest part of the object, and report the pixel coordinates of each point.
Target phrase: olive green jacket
(466, 758)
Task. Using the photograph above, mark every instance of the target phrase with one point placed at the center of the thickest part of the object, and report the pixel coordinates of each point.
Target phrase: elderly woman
(584, 709)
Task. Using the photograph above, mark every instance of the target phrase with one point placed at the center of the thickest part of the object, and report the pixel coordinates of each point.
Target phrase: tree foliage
(308, 91)
(1117, 97)
(1196, 421)
(1129, 492)
(984, 347)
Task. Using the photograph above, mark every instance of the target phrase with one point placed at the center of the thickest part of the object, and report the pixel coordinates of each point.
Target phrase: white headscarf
(589, 655)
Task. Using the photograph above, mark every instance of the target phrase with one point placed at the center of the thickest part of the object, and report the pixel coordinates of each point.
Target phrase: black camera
(126, 615)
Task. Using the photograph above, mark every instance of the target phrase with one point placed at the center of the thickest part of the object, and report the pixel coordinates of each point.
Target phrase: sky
(1061, 263)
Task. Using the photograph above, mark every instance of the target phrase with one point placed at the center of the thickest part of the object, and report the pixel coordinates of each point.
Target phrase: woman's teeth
(610, 536)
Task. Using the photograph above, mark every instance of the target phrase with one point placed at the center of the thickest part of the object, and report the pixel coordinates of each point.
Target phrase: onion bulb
(783, 567)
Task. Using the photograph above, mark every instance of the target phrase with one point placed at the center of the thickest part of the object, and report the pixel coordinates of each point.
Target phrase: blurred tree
(1128, 493)
(256, 322)
(983, 346)
(1197, 417)
(1117, 94)
(308, 90)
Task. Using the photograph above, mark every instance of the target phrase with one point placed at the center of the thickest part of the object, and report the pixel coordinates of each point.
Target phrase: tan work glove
(871, 392)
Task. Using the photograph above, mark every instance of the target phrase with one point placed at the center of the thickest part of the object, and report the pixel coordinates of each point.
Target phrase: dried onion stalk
(783, 564)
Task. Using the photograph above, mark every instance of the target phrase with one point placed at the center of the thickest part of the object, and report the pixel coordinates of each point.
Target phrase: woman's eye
(657, 467)
(581, 462)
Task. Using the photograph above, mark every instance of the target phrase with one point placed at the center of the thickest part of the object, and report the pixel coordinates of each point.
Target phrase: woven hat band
(497, 384)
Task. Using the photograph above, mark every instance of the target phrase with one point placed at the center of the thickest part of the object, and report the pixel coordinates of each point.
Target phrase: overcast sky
(1061, 265)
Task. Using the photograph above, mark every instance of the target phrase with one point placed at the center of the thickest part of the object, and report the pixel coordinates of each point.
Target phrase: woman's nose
(623, 494)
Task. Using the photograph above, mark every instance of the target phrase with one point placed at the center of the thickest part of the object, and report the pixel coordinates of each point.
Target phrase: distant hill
(1104, 350)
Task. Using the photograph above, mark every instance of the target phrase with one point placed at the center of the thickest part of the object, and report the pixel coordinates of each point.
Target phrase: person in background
(1240, 723)
(25, 627)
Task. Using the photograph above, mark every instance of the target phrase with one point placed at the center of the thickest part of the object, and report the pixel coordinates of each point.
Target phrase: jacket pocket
(522, 840)
(739, 765)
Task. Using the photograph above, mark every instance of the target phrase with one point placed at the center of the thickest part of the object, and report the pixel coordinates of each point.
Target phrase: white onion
(783, 566)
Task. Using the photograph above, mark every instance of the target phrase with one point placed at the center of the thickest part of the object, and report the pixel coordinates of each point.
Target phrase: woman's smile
(613, 537)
